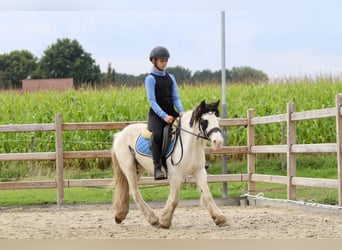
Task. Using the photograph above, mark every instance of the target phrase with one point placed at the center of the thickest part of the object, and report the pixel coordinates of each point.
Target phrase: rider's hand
(169, 119)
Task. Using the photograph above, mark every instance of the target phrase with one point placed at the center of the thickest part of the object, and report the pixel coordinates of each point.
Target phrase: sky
(281, 38)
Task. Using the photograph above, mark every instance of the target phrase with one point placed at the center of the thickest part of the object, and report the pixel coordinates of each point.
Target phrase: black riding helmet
(159, 52)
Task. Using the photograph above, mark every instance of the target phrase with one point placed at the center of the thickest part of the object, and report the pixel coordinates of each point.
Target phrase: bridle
(203, 134)
(206, 134)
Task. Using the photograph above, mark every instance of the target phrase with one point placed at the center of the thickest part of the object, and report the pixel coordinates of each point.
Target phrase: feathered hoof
(165, 225)
(221, 221)
(117, 220)
(155, 223)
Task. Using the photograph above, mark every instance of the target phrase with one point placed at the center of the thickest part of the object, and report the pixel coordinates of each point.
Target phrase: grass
(48, 196)
(95, 195)
(307, 166)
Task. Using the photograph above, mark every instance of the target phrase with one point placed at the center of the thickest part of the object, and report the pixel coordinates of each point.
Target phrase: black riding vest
(163, 92)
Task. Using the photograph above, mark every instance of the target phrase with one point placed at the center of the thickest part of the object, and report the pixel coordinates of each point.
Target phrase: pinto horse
(187, 158)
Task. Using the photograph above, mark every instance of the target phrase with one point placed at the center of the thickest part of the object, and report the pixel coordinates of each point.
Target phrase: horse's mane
(204, 108)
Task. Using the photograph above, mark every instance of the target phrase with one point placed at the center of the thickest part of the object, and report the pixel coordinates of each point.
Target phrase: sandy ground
(189, 222)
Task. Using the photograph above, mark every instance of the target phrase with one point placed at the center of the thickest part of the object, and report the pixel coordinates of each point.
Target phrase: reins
(191, 133)
(177, 135)
(205, 136)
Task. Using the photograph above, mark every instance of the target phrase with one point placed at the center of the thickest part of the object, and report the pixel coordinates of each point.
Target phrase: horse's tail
(121, 197)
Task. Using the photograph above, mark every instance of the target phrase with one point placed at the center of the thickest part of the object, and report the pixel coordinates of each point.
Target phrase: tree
(181, 74)
(205, 76)
(16, 66)
(247, 75)
(66, 58)
(109, 77)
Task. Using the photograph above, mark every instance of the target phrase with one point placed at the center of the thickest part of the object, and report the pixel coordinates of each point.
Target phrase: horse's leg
(142, 205)
(165, 219)
(121, 197)
(208, 201)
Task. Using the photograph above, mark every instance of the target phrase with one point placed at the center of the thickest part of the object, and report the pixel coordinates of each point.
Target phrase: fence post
(291, 157)
(250, 156)
(59, 160)
(283, 156)
(32, 150)
(338, 143)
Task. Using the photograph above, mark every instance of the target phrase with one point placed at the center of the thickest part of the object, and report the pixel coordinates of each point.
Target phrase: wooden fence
(251, 150)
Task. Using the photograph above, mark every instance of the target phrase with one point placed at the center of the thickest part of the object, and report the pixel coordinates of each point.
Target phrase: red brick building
(47, 84)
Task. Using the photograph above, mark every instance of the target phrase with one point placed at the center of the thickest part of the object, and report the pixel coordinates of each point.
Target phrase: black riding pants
(156, 125)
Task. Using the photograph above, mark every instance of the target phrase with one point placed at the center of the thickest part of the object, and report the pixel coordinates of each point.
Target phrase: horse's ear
(198, 112)
(201, 109)
(216, 104)
(213, 107)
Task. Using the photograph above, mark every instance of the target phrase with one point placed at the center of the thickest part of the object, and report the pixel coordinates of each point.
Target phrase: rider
(163, 97)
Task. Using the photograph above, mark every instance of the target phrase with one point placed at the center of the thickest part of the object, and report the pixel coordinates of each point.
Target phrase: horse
(194, 129)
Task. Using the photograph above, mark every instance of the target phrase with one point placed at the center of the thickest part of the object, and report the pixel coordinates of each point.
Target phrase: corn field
(130, 104)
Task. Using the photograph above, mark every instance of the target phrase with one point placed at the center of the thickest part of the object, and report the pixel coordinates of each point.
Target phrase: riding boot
(156, 156)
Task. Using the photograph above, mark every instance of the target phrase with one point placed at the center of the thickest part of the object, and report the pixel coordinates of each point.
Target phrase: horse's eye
(204, 124)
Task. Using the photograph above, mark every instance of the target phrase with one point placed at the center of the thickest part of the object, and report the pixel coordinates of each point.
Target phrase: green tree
(181, 74)
(247, 75)
(109, 77)
(16, 66)
(206, 76)
(66, 58)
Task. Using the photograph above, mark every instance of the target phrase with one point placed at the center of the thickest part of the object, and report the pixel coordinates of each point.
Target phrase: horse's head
(207, 118)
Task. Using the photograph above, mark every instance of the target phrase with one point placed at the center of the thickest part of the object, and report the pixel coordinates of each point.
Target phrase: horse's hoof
(221, 221)
(117, 220)
(165, 226)
(222, 224)
(156, 225)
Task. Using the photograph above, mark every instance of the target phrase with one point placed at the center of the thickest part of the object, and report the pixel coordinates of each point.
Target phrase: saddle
(143, 143)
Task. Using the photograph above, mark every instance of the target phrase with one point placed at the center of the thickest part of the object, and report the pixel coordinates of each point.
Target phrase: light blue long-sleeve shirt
(150, 83)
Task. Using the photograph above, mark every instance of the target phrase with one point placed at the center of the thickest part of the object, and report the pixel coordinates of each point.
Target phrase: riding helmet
(159, 52)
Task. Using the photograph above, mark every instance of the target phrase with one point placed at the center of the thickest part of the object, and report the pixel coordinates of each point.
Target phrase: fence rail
(290, 148)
